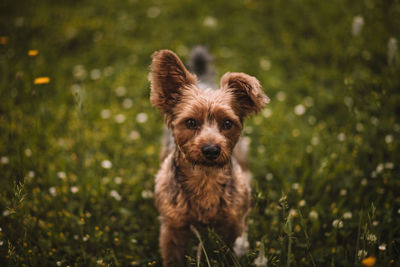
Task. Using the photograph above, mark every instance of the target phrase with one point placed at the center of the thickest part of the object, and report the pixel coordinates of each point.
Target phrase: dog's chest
(204, 206)
(205, 196)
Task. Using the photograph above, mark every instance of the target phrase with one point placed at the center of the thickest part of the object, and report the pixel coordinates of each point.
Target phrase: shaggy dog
(201, 182)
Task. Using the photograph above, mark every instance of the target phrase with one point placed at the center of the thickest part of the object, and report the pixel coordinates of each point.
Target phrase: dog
(202, 181)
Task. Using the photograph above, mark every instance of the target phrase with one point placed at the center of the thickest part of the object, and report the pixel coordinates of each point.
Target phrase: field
(80, 142)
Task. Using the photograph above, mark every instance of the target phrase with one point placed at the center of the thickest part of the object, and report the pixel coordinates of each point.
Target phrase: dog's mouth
(219, 161)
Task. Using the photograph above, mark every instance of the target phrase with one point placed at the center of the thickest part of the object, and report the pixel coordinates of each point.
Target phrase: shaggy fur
(194, 188)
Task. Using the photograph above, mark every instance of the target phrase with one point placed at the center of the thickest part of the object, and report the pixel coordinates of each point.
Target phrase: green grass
(78, 155)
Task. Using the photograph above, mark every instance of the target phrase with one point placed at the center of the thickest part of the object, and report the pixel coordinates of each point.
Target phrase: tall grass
(80, 142)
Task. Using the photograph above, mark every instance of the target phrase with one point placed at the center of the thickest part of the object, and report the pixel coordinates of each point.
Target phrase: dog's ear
(168, 77)
(247, 92)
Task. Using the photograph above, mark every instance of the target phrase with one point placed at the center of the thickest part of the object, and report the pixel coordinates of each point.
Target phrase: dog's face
(206, 124)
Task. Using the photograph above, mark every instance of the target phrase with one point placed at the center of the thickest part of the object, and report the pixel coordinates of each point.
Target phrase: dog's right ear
(168, 77)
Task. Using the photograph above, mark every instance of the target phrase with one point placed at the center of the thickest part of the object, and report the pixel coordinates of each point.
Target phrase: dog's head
(206, 124)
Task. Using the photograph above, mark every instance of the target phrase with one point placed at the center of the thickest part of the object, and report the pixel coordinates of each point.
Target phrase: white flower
(299, 110)
(127, 103)
(31, 174)
(100, 261)
(359, 127)
(248, 129)
(6, 213)
(374, 120)
(315, 140)
(261, 260)
(292, 213)
(153, 12)
(362, 254)
(389, 139)
(337, 224)
(371, 238)
(120, 91)
(118, 180)
(146, 194)
(134, 135)
(58, 263)
(357, 26)
(53, 191)
(265, 64)
(119, 118)
(269, 176)
(115, 195)
(392, 48)
(106, 164)
(108, 71)
(382, 247)
(1, 243)
(28, 152)
(141, 117)
(348, 101)
(61, 175)
(74, 189)
(295, 186)
(313, 215)
(4, 160)
(341, 137)
(312, 120)
(210, 22)
(281, 96)
(302, 203)
(308, 101)
(295, 132)
(95, 74)
(267, 112)
(347, 215)
(364, 182)
(79, 72)
(241, 245)
(389, 165)
(380, 168)
(105, 113)
(105, 180)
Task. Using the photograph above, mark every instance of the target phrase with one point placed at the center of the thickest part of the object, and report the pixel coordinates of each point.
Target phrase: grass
(79, 149)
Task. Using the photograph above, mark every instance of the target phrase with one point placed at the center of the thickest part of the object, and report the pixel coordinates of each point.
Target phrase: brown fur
(192, 189)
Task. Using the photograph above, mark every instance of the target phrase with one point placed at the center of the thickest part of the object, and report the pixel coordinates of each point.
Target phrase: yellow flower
(42, 80)
(3, 40)
(33, 53)
(369, 262)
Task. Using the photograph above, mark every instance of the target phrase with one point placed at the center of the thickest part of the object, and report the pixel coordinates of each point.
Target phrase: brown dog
(200, 182)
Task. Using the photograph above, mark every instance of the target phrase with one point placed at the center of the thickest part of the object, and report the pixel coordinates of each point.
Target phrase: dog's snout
(211, 152)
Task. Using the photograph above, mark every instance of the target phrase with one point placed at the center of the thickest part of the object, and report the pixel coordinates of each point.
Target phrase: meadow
(80, 142)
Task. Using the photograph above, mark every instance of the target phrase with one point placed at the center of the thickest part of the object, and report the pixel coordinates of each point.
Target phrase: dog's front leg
(172, 244)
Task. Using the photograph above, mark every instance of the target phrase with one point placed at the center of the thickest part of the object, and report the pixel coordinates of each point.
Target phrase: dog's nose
(211, 152)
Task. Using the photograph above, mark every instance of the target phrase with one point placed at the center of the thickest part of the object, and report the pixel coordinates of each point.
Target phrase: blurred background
(80, 142)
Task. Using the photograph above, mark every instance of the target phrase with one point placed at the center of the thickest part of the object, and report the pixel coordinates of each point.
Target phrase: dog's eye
(227, 124)
(191, 124)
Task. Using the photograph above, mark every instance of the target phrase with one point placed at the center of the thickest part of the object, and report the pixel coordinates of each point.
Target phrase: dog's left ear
(247, 92)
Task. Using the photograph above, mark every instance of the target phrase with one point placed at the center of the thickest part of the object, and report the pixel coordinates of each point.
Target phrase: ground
(80, 142)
